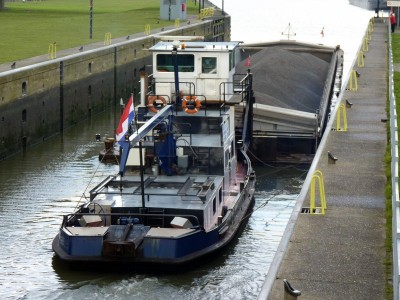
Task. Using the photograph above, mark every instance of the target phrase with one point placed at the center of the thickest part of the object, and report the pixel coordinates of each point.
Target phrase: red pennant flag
(322, 32)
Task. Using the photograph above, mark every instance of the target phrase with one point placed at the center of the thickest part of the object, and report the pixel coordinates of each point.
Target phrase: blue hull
(185, 182)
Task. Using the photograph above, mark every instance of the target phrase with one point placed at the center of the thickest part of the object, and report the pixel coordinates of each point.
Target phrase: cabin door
(207, 83)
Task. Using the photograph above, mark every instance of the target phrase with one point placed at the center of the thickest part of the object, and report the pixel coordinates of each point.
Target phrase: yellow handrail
(52, 53)
(147, 29)
(341, 109)
(371, 25)
(206, 12)
(365, 43)
(107, 38)
(353, 81)
(360, 59)
(313, 209)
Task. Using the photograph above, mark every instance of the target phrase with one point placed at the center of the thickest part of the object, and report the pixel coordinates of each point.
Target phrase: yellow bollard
(341, 109)
(321, 209)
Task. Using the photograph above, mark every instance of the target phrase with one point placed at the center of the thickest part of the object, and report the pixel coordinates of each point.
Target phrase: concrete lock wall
(41, 100)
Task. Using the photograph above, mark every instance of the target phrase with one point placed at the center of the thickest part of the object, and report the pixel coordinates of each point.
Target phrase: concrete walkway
(341, 255)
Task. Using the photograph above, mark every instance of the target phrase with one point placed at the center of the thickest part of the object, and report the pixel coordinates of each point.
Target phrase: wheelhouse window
(232, 62)
(165, 63)
(209, 65)
(227, 157)
(214, 205)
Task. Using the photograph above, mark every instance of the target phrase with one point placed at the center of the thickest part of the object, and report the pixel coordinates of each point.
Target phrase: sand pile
(287, 79)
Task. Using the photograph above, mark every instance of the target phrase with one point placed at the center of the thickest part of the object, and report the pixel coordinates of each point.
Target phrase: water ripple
(47, 182)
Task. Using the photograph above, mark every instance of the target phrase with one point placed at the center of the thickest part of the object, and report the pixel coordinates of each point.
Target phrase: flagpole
(141, 173)
(135, 117)
(140, 156)
(122, 105)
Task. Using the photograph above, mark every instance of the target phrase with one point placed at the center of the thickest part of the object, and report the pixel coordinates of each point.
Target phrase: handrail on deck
(67, 218)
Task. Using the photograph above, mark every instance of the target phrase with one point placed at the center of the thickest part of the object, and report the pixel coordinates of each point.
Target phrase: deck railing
(143, 218)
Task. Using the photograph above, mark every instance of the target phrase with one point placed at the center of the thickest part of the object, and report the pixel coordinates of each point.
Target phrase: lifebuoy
(191, 104)
(155, 103)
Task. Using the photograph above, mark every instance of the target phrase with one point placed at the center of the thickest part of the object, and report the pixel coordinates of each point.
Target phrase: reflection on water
(39, 186)
(48, 181)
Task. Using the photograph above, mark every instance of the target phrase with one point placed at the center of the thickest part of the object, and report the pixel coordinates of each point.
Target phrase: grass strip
(28, 28)
(388, 158)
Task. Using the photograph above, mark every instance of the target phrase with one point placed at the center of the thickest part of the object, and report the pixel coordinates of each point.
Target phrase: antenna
(289, 32)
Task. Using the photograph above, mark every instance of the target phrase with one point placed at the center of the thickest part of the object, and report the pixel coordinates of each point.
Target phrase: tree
(2, 4)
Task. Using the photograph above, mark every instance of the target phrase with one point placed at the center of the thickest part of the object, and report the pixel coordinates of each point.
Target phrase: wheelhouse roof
(195, 46)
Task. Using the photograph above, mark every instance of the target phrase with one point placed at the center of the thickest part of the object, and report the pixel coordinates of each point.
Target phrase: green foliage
(388, 213)
(396, 78)
(396, 48)
(27, 28)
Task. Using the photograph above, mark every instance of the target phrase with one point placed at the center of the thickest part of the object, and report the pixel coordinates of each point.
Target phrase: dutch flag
(125, 121)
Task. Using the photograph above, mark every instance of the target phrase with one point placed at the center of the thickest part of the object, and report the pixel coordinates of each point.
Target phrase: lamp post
(377, 9)
(91, 19)
(201, 6)
(169, 10)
